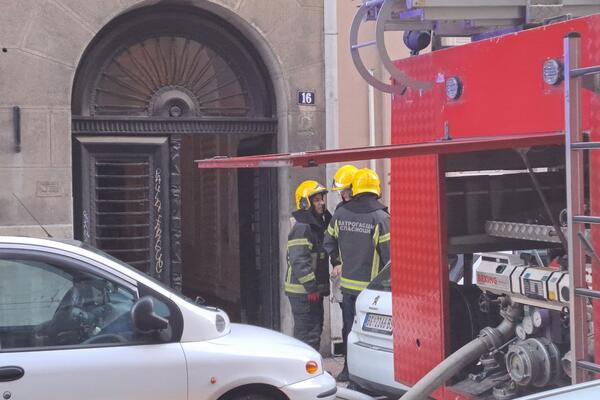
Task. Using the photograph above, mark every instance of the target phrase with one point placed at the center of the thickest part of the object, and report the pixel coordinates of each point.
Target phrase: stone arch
(144, 57)
(109, 11)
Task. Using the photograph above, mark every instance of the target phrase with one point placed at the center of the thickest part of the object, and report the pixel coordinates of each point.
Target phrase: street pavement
(334, 366)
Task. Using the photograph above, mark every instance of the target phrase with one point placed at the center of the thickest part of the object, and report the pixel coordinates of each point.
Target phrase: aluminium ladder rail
(577, 245)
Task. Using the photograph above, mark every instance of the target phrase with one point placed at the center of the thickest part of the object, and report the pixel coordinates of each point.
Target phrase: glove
(313, 297)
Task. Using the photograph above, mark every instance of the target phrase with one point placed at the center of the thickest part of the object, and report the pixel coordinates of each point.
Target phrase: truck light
(453, 88)
(552, 72)
(312, 367)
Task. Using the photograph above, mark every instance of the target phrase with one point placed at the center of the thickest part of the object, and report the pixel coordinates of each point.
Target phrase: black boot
(343, 376)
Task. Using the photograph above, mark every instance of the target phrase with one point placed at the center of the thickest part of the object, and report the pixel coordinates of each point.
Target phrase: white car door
(66, 333)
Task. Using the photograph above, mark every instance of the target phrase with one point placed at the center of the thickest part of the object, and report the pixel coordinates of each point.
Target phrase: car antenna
(32, 216)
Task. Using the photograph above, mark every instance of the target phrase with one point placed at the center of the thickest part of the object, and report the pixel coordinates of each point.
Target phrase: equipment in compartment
(532, 359)
(494, 272)
(533, 362)
(507, 274)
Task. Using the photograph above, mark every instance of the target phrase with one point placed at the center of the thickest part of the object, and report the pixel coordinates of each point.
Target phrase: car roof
(83, 250)
(74, 246)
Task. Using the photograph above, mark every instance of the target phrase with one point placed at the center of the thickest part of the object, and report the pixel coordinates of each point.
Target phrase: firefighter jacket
(308, 264)
(358, 237)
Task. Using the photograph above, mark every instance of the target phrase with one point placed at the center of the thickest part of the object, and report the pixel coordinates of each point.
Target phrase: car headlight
(220, 323)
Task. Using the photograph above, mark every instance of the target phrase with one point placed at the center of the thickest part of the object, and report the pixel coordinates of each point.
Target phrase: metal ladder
(578, 244)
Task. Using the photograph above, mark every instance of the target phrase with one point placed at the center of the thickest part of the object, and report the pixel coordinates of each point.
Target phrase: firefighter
(358, 238)
(307, 279)
(342, 183)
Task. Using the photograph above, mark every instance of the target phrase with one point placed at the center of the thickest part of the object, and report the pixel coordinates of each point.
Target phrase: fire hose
(488, 339)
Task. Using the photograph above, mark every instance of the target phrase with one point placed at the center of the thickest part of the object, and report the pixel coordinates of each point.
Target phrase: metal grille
(122, 209)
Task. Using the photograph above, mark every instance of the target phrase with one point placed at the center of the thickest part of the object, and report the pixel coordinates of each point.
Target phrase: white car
(370, 343)
(76, 323)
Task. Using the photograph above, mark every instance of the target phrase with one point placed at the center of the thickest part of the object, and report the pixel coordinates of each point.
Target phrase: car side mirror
(145, 320)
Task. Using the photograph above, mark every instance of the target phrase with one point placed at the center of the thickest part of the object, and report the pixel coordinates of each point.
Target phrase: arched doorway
(156, 89)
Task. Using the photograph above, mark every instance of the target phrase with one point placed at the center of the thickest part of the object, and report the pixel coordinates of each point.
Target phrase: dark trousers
(308, 320)
(348, 313)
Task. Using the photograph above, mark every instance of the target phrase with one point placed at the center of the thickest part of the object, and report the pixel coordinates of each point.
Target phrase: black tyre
(251, 396)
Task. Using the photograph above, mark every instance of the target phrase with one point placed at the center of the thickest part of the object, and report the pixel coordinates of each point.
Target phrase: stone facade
(42, 43)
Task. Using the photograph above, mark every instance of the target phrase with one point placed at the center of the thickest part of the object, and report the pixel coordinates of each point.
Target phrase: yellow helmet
(305, 191)
(343, 177)
(366, 181)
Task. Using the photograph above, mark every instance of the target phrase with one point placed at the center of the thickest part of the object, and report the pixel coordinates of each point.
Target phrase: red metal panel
(419, 286)
(504, 93)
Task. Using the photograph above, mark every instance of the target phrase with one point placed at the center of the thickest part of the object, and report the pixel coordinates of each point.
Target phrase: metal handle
(385, 14)
(402, 80)
(358, 63)
(11, 373)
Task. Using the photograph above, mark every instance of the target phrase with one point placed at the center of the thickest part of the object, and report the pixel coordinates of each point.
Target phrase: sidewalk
(334, 366)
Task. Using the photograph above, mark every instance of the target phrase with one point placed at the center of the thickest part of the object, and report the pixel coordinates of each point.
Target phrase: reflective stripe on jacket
(308, 265)
(358, 237)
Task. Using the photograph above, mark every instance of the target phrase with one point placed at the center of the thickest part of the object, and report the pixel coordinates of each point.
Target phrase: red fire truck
(495, 148)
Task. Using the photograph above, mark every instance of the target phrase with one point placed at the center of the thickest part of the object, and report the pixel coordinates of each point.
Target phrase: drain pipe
(489, 339)
(333, 317)
(372, 163)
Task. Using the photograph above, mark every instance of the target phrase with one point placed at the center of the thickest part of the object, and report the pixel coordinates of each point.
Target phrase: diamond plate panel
(515, 230)
(420, 291)
(419, 304)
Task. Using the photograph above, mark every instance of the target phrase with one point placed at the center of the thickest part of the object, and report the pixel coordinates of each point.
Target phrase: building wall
(42, 42)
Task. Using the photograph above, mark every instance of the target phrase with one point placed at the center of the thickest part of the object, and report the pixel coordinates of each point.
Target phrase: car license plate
(378, 323)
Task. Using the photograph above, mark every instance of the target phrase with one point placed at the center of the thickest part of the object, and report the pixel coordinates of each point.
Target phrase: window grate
(122, 208)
